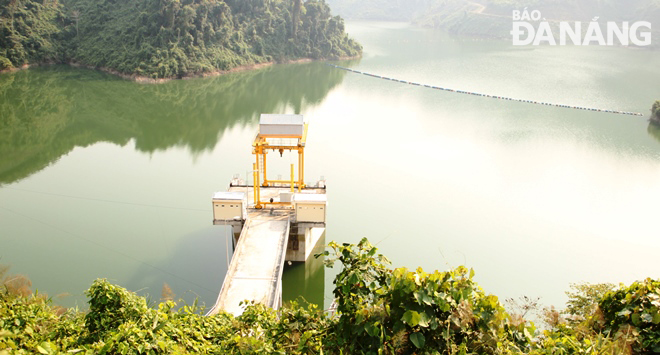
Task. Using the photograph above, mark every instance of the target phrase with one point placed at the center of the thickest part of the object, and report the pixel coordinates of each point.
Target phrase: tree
(656, 109)
(168, 38)
(28, 32)
(75, 16)
(583, 298)
(297, 5)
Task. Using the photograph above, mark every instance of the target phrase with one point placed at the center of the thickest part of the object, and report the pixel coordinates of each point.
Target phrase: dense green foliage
(583, 299)
(379, 311)
(400, 311)
(29, 31)
(633, 310)
(120, 322)
(170, 38)
(655, 110)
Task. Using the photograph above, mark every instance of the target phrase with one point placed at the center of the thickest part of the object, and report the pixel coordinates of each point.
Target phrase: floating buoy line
(488, 95)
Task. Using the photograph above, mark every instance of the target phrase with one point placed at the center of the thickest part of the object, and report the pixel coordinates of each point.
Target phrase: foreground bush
(379, 311)
(632, 313)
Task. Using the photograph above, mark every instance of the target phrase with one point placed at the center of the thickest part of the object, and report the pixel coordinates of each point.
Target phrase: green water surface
(102, 177)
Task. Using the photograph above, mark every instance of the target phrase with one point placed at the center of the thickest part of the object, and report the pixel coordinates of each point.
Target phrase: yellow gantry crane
(278, 133)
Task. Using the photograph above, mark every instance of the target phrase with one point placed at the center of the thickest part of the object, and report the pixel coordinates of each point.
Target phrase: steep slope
(170, 38)
(29, 31)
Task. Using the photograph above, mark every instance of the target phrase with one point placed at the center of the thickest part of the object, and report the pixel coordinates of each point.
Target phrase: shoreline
(148, 80)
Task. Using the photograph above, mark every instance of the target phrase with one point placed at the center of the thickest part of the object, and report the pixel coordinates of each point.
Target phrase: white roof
(310, 198)
(227, 195)
(273, 119)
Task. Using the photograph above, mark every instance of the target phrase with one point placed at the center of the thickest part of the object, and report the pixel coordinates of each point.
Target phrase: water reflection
(46, 112)
(654, 131)
(208, 264)
(304, 282)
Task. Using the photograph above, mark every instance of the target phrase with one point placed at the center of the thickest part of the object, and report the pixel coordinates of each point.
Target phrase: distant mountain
(493, 18)
(389, 10)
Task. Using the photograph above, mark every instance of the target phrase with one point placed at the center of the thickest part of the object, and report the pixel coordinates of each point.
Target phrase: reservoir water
(102, 177)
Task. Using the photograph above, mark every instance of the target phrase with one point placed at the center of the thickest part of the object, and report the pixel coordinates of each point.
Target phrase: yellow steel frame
(260, 149)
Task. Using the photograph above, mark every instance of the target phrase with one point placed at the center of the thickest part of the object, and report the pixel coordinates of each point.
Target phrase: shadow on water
(46, 112)
(194, 270)
(654, 131)
(197, 266)
(305, 282)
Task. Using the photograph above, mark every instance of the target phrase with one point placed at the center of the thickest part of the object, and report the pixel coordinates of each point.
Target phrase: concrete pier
(266, 238)
(255, 272)
(273, 221)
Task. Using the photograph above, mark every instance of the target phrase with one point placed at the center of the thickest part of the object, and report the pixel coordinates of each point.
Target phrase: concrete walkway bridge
(272, 221)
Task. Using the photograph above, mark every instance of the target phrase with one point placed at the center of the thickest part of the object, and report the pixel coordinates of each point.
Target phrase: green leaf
(353, 279)
(647, 318)
(371, 329)
(444, 306)
(423, 297)
(417, 339)
(424, 320)
(418, 296)
(624, 313)
(636, 319)
(411, 318)
(155, 322)
(656, 318)
(41, 350)
(5, 333)
(434, 323)
(428, 299)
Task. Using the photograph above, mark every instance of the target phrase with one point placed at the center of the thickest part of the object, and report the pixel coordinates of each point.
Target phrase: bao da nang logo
(530, 28)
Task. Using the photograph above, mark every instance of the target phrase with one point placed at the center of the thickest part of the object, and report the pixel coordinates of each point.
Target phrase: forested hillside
(29, 31)
(169, 38)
